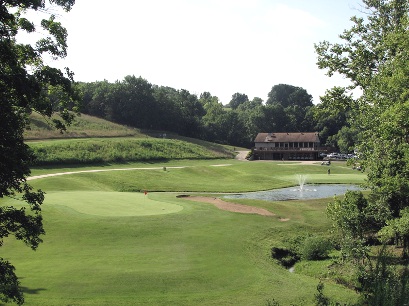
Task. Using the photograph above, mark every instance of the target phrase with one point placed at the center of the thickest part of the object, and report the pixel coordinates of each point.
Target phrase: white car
(333, 155)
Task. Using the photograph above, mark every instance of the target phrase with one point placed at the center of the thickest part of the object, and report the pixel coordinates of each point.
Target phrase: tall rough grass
(82, 127)
(91, 151)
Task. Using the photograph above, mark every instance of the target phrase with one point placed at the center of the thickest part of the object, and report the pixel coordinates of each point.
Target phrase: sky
(219, 46)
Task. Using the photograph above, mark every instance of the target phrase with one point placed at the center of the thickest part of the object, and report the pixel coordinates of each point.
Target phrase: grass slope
(198, 255)
(90, 140)
(108, 150)
(83, 126)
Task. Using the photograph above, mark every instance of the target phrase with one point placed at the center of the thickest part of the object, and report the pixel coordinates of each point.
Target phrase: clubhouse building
(287, 146)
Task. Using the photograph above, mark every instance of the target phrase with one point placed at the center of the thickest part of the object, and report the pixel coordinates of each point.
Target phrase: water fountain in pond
(303, 191)
(301, 179)
(307, 192)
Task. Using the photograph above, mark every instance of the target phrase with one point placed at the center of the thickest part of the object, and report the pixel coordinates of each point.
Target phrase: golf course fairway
(106, 242)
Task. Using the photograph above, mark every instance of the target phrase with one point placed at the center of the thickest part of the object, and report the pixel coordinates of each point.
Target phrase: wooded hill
(136, 102)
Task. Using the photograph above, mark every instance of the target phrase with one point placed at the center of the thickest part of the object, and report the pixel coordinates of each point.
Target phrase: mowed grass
(111, 204)
(101, 250)
(201, 176)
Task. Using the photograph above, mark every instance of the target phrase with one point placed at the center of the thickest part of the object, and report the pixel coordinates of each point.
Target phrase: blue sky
(220, 46)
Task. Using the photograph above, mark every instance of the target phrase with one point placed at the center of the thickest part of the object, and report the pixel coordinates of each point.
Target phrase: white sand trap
(110, 204)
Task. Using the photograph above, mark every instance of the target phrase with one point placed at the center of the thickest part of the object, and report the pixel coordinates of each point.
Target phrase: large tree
(331, 120)
(289, 95)
(296, 103)
(133, 103)
(237, 99)
(27, 84)
(374, 56)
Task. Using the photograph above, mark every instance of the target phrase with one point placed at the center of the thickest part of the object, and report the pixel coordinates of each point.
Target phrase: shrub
(382, 282)
(320, 298)
(315, 248)
(286, 257)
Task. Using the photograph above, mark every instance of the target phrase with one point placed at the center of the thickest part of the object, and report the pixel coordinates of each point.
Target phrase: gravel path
(241, 155)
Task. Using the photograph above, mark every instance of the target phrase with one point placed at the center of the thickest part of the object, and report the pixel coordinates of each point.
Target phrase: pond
(304, 192)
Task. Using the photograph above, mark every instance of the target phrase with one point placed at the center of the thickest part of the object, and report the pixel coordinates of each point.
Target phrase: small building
(287, 146)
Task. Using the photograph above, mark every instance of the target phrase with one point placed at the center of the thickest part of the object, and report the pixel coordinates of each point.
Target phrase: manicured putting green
(111, 204)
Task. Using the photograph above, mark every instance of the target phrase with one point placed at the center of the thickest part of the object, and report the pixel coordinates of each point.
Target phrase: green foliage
(315, 248)
(137, 103)
(10, 290)
(349, 214)
(288, 95)
(237, 99)
(296, 103)
(286, 257)
(331, 116)
(307, 247)
(371, 50)
(397, 230)
(27, 84)
(381, 283)
(319, 297)
(352, 222)
(346, 138)
(373, 56)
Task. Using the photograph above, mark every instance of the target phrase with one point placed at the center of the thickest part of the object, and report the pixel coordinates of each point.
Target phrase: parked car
(333, 155)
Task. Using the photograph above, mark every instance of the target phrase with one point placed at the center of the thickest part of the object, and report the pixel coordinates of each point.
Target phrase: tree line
(136, 102)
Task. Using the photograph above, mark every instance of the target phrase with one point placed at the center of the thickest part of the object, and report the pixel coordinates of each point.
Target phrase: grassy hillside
(83, 126)
(119, 150)
(91, 140)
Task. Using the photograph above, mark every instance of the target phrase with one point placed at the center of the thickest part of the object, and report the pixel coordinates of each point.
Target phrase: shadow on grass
(98, 164)
(153, 161)
(27, 290)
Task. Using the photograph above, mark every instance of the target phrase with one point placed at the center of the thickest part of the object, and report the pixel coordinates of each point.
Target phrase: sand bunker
(240, 208)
